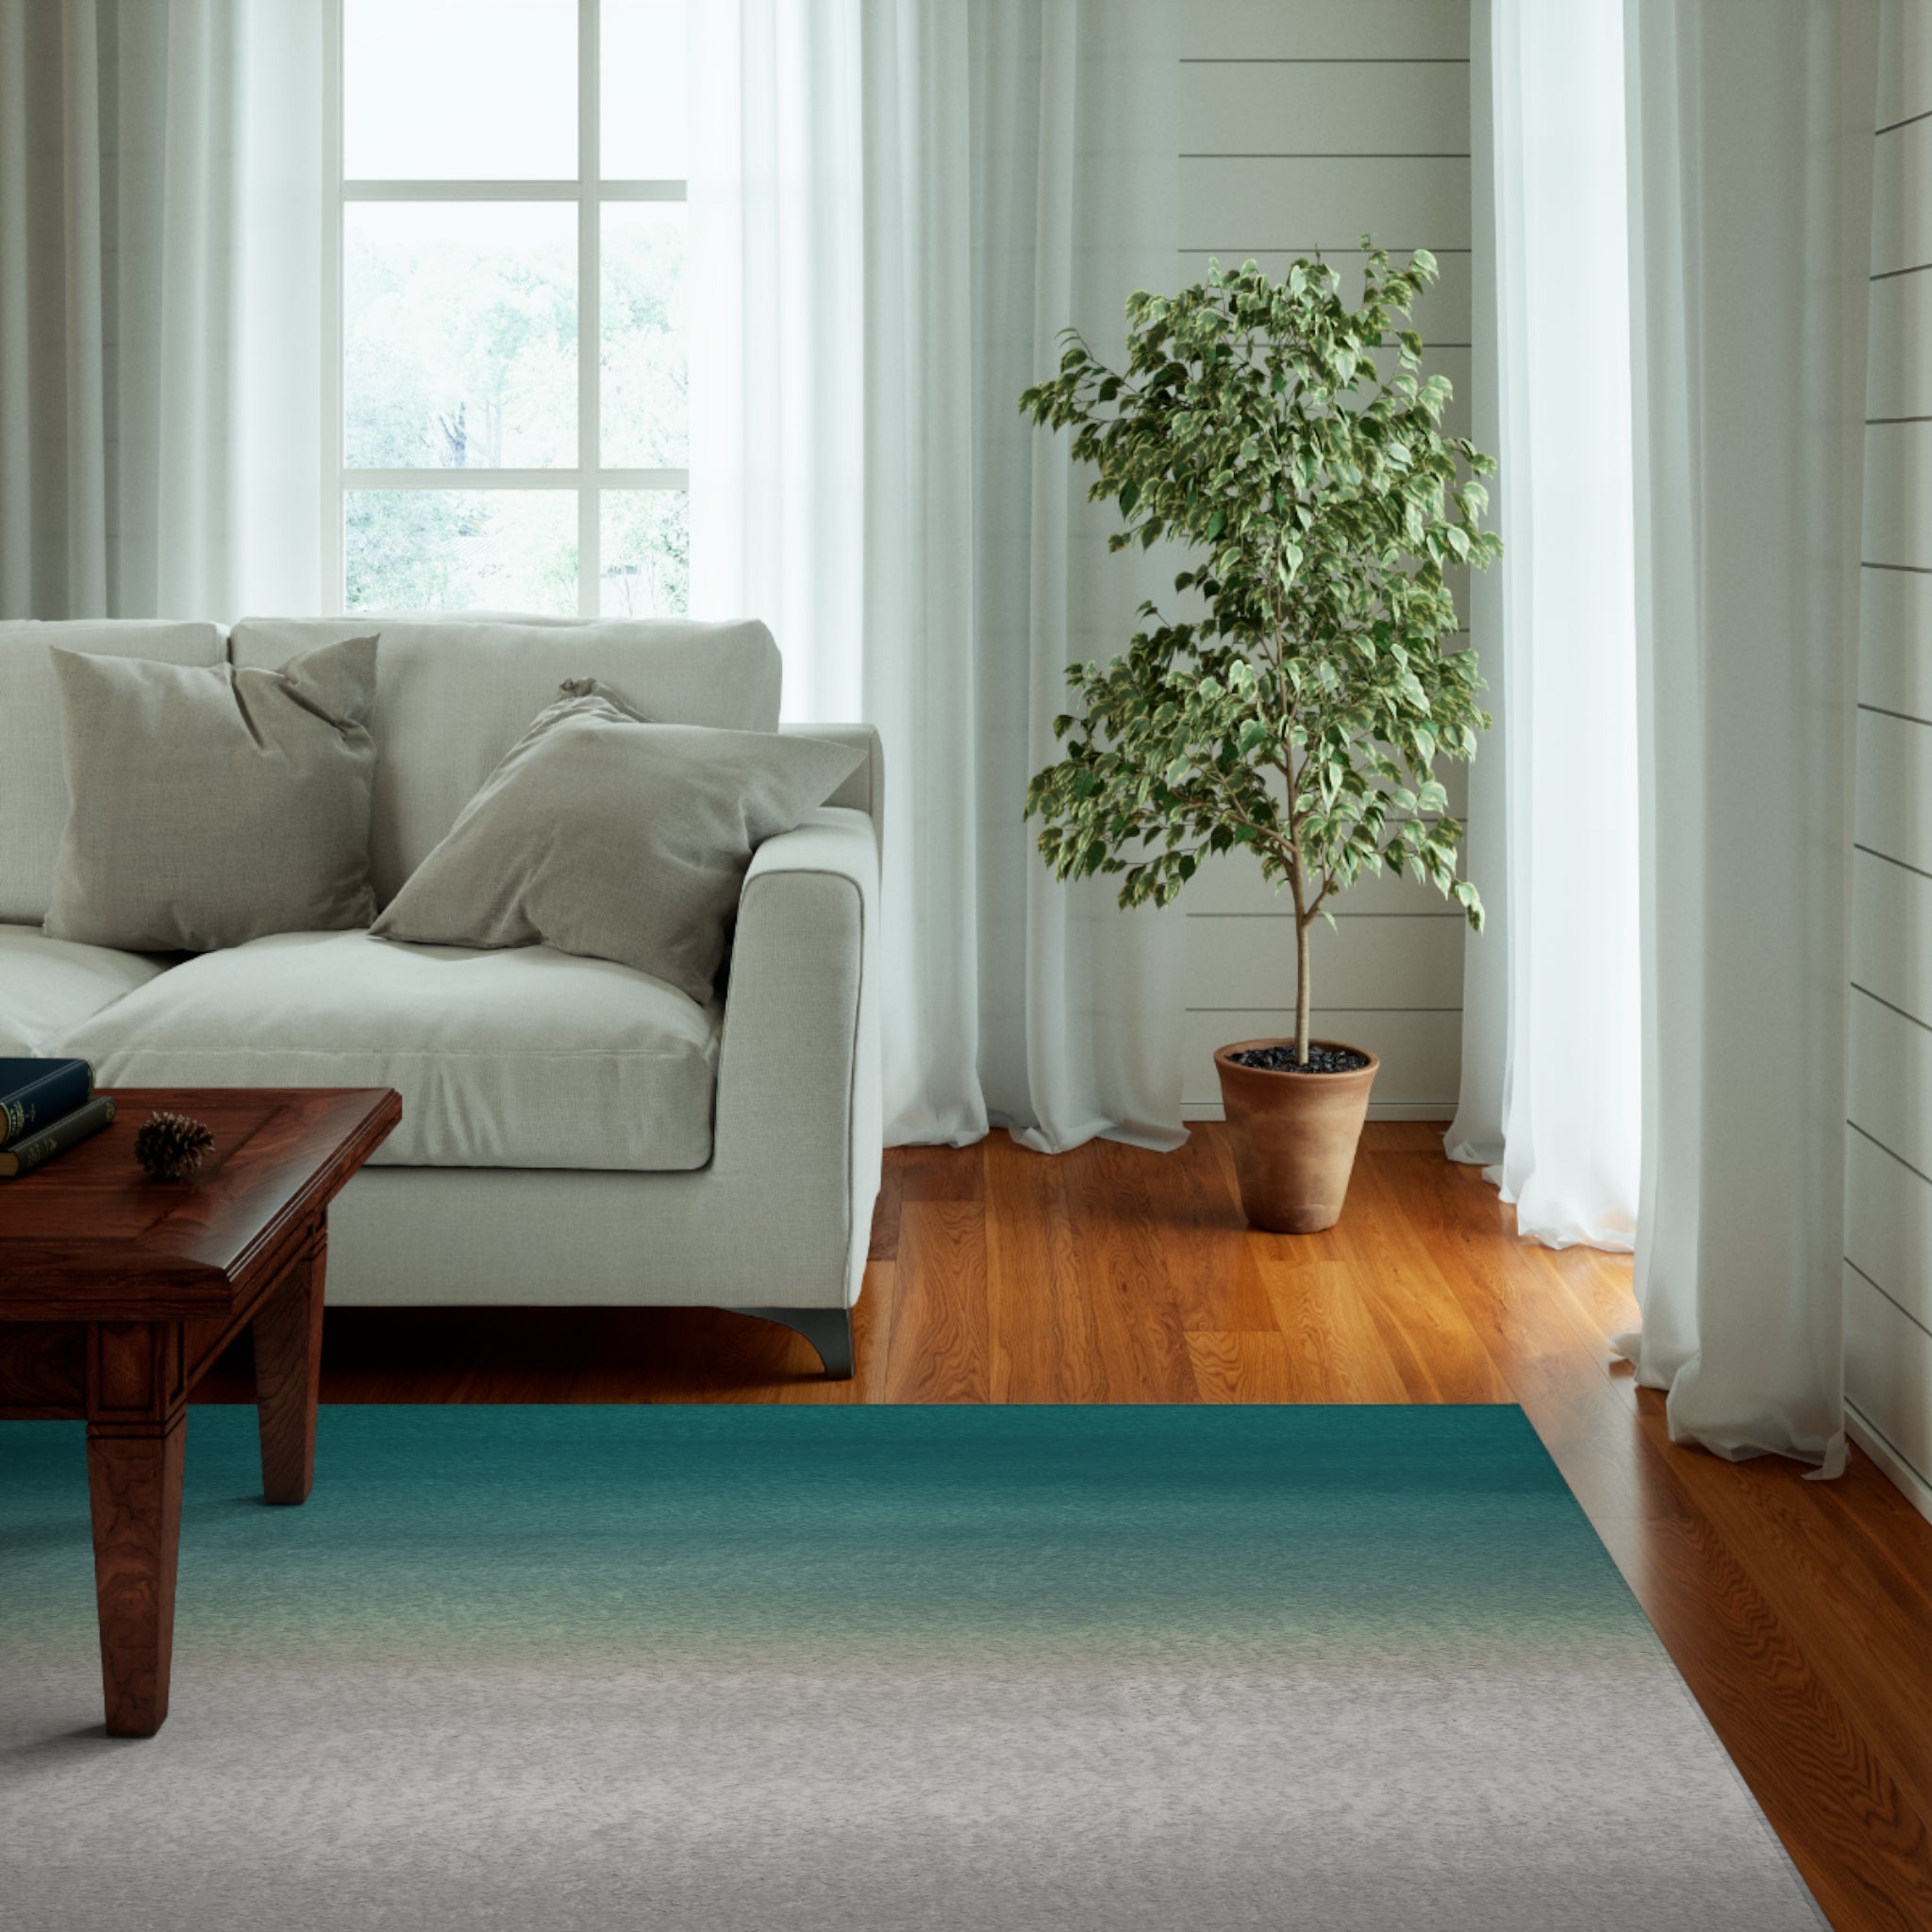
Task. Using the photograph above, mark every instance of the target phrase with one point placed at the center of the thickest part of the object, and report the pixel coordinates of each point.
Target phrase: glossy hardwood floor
(1800, 1612)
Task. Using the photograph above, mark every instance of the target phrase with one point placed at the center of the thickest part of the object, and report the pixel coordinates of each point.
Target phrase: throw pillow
(604, 835)
(208, 806)
(453, 694)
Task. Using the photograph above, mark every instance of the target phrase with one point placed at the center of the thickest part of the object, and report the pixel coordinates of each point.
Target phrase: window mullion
(439, 189)
(589, 330)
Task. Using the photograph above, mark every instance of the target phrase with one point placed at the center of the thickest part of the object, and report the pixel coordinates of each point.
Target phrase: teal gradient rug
(702, 1669)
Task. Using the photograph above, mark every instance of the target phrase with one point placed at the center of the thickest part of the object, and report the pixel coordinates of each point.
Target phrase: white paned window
(505, 382)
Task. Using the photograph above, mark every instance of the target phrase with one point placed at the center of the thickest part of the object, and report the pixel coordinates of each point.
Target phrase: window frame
(590, 478)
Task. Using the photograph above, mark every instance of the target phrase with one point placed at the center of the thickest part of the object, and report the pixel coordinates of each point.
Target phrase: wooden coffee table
(117, 1292)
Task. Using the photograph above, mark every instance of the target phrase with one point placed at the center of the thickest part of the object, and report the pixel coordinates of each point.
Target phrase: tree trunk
(1301, 957)
(1301, 989)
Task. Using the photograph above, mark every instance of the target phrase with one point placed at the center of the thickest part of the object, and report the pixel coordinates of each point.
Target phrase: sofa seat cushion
(49, 987)
(527, 1058)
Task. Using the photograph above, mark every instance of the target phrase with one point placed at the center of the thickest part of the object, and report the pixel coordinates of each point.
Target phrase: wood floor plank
(1242, 1366)
(1870, 1519)
(1143, 1347)
(1333, 1347)
(1203, 1241)
(1042, 1327)
(940, 1174)
(1425, 1328)
(937, 1348)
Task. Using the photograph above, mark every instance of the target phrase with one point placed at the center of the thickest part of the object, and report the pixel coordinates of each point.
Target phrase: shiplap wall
(1889, 1162)
(1306, 124)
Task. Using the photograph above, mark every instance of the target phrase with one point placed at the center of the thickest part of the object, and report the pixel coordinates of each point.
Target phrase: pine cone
(171, 1146)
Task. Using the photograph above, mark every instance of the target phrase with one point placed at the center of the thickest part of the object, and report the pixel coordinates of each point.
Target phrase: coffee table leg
(134, 1484)
(288, 1376)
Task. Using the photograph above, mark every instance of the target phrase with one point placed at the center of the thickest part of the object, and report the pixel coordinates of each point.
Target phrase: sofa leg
(828, 1330)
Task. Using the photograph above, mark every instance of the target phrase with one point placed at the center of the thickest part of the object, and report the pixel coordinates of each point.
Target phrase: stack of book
(46, 1107)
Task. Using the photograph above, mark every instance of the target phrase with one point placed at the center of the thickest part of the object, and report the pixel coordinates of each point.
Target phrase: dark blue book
(36, 1093)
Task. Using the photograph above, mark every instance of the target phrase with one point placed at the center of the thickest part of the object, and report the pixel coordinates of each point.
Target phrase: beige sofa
(574, 1132)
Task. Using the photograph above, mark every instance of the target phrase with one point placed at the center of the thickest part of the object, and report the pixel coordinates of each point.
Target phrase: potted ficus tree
(1302, 706)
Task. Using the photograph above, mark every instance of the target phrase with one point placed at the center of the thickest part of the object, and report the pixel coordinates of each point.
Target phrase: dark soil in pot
(1322, 1060)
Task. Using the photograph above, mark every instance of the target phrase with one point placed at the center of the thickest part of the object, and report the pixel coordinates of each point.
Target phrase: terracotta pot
(1294, 1135)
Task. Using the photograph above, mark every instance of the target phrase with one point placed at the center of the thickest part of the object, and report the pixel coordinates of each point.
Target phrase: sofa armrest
(799, 1108)
(866, 787)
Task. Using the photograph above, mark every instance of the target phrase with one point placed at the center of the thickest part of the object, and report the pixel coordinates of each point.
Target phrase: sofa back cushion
(452, 697)
(33, 786)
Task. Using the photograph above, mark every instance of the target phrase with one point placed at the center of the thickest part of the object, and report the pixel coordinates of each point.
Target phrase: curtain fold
(1551, 1027)
(894, 214)
(160, 253)
(1750, 189)
(1475, 1135)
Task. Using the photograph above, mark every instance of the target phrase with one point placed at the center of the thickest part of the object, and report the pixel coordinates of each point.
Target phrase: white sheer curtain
(895, 207)
(160, 308)
(1751, 170)
(1550, 1094)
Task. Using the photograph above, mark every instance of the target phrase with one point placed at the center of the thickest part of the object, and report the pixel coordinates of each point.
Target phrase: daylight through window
(507, 408)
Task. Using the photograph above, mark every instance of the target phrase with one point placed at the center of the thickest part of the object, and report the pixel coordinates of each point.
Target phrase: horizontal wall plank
(1236, 208)
(1891, 933)
(1443, 313)
(1895, 641)
(1889, 1089)
(1894, 779)
(1233, 883)
(1420, 1053)
(1889, 1224)
(1325, 30)
(1889, 1371)
(1402, 962)
(1904, 60)
(1371, 106)
(1898, 494)
(1898, 371)
(1901, 199)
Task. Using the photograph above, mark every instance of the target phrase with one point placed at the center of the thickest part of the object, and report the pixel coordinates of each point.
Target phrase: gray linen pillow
(604, 835)
(208, 806)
